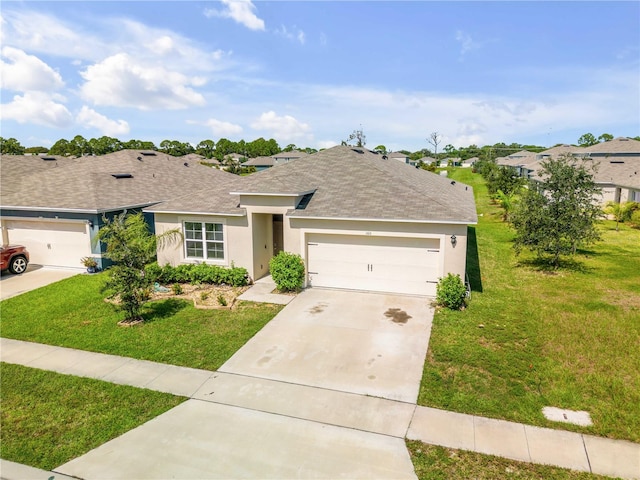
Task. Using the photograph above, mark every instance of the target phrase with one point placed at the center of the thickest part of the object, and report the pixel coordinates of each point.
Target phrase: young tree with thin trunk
(131, 245)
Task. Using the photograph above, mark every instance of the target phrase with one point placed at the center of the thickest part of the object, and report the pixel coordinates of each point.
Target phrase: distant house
(262, 163)
(401, 157)
(358, 219)
(469, 162)
(617, 165)
(55, 205)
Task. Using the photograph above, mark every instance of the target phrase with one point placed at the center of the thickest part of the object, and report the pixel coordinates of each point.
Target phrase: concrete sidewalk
(330, 414)
(262, 291)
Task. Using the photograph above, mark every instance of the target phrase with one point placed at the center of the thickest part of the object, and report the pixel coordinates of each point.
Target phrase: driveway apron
(365, 343)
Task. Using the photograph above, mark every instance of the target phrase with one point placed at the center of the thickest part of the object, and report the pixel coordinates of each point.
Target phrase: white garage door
(382, 264)
(54, 243)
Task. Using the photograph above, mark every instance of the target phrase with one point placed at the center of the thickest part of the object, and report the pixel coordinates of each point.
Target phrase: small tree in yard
(287, 271)
(559, 214)
(131, 245)
(621, 212)
(451, 292)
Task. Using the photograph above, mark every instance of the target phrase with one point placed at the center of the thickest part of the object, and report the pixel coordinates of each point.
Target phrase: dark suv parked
(15, 258)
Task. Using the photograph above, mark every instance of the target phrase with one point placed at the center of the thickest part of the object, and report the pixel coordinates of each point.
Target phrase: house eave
(186, 212)
(281, 194)
(392, 220)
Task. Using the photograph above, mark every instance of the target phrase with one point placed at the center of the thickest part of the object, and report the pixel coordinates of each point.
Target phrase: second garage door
(53, 243)
(382, 264)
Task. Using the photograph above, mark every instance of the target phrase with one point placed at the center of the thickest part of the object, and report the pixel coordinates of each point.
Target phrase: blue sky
(310, 73)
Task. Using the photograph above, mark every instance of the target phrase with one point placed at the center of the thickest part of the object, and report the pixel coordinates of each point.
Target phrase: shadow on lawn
(163, 309)
(545, 265)
(473, 261)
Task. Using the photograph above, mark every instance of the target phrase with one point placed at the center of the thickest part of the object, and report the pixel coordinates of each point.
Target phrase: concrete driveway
(34, 277)
(297, 401)
(364, 343)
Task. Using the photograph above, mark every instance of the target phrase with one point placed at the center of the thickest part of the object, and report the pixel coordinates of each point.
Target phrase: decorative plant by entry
(287, 270)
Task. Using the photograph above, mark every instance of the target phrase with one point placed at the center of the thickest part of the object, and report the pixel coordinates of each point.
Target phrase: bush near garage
(451, 292)
(287, 271)
(198, 273)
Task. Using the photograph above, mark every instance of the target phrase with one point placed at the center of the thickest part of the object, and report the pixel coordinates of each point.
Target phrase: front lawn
(72, 313)
(533, 337)
(49, 418)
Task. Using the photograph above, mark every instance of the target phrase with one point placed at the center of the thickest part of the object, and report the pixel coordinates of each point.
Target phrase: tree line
(79, 146)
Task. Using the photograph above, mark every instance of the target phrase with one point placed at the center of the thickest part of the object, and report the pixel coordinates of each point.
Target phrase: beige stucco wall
(246, 237)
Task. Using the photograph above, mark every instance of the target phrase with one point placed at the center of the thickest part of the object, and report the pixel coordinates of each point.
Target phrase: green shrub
(197, 274)
(635, 219)
(177, 289)
(287, 270)
(222, 301)
(451, 292)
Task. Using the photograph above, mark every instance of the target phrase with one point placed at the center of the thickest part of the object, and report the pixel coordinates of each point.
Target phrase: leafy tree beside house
(131, 245)
(560, 213)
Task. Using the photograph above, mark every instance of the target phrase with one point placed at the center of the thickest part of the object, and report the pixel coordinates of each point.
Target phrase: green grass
(439, 463)
(49, 418)
(72, 313)
(532, 337)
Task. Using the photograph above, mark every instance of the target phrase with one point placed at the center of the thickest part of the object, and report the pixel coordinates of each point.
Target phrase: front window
(204, 240)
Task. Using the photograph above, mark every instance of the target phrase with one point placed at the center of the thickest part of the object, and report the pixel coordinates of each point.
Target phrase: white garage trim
(395, 264)
(50, 241)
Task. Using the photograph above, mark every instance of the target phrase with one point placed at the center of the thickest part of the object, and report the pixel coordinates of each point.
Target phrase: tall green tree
(206, 148)
(11, 146)
(561, 213)
(605, 137)
(131, 245)
(587, 140)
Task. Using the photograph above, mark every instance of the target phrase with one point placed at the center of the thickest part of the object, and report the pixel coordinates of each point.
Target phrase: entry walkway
(319, 410)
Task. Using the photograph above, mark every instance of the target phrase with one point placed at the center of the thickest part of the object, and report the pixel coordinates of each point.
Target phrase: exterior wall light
(454, 240)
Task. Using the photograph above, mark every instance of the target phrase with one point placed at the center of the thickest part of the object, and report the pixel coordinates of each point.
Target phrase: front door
(277, 234)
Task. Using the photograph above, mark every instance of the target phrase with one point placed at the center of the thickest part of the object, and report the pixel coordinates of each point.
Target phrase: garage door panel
(387, 264)
(52, 243)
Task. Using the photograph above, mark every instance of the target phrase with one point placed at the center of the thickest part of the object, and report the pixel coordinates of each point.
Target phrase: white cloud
(242, 11)
(37, 32)
(223, 129)
(285, 128)
(39, 108)
(121, 81)
(466, 42)
(293, 35)
(112, 128)
(25, 72)
(326, 144)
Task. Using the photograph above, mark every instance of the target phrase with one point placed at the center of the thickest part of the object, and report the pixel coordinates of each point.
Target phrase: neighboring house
(469, 162)
(401, 157)
(260, 163)
(56, 207)
(359, 221)
(284, 157)
(452, 161)
(616, 163)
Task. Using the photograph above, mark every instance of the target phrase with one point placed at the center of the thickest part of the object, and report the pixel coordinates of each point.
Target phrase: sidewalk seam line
(586, 452)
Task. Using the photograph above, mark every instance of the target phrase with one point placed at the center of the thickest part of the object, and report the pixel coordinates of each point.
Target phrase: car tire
(18, 265)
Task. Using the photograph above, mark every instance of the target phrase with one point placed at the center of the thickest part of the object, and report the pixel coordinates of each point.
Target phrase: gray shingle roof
(617, 145)
(88, 184)
(349, 184)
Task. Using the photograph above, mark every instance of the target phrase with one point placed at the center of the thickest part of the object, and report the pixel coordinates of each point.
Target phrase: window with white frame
(204, 240)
